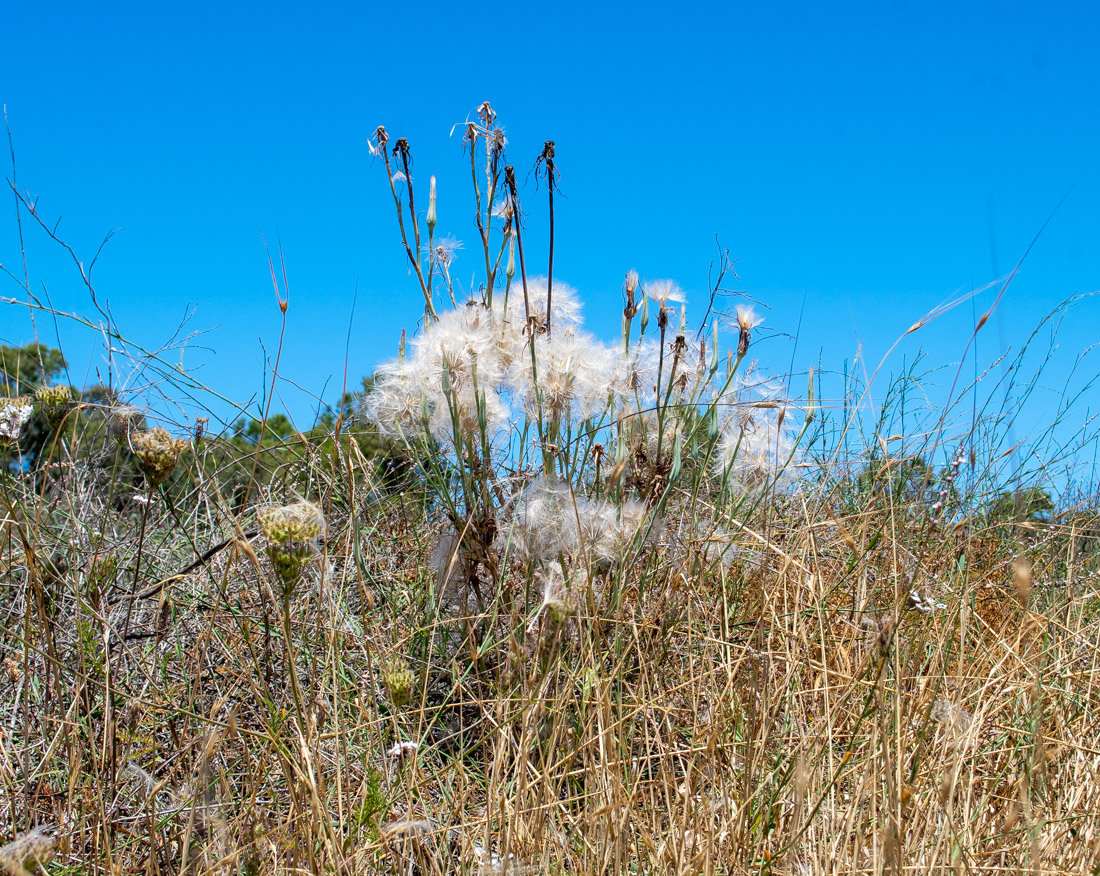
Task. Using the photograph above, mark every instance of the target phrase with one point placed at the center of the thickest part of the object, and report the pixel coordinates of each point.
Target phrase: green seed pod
(55, 402)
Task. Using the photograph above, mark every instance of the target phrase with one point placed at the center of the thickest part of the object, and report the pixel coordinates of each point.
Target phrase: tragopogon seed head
(665, 292)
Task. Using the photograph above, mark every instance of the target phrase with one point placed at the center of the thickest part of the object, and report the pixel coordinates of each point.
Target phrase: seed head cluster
(54, 401)
(291, 532)
(157, 453)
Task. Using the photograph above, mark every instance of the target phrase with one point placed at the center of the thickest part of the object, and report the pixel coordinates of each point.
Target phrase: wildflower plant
(572, 447)
(55, 401)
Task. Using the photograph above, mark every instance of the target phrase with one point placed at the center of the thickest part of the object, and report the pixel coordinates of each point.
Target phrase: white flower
(402, 750)
(924, 603)
(13, 417)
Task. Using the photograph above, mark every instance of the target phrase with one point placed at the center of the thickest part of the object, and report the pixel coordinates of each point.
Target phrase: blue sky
(864, 161)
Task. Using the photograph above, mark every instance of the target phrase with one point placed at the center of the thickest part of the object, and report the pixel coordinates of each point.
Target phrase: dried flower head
(157, 453)
(665, 292)
(401, 751)
(122, 421)
(747, 320)
(445, 249)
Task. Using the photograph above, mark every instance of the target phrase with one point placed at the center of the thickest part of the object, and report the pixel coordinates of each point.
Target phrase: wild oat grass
(575, 607)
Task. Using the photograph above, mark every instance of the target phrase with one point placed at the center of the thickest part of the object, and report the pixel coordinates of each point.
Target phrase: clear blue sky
(872, 159)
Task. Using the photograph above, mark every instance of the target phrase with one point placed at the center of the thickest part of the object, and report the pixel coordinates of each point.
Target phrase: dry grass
(788, 713)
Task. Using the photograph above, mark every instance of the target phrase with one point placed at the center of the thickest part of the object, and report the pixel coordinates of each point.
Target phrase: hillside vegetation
(535, 602)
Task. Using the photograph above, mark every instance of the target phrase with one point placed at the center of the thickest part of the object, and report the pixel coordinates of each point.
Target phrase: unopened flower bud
(431, 206)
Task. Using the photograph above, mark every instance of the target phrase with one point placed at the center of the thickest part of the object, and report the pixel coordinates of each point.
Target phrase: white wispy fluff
(444, 249)
(746, 317)
(754, 448)
(13, 417)
(665, 292)
(549, 521)
(475, 352)
(565, 302)
(574, 373)
(636, 373)
(755, 444)
(460, 348)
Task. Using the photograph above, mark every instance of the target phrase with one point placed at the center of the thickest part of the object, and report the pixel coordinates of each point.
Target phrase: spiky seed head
(297, 522)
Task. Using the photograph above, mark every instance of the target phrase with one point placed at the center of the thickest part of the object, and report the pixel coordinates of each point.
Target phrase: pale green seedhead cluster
(157, 453)
(291, 532)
